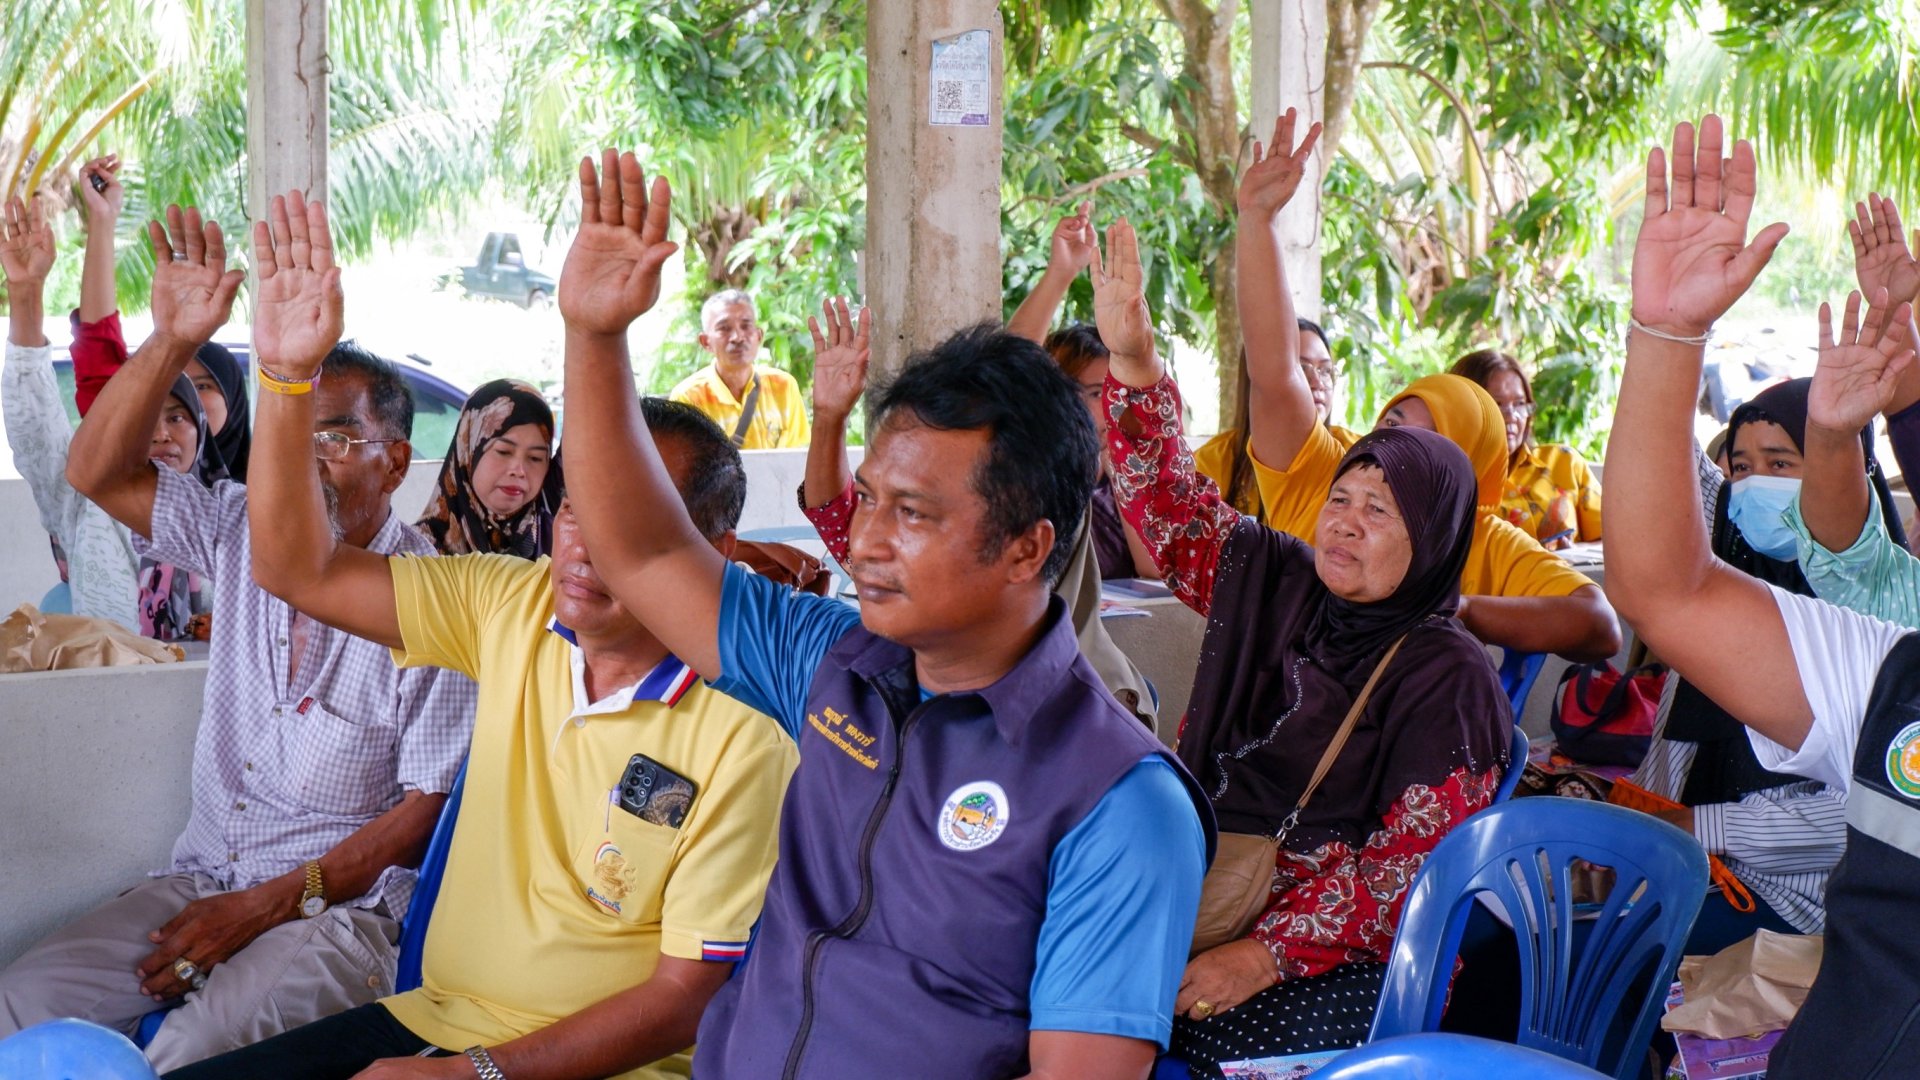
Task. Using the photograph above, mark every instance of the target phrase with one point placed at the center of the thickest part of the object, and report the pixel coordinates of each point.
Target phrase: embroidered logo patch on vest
(1903, 761)
(974, 816)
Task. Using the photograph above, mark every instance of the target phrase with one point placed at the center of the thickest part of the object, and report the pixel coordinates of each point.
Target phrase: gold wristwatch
(313, 900)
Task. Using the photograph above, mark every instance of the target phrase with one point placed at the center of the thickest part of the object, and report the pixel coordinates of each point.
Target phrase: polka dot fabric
(1297, 1016)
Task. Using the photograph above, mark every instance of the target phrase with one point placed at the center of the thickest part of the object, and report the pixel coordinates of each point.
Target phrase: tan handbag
(1239, 884)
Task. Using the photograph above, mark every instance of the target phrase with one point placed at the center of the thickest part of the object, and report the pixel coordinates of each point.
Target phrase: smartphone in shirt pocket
(624, 870)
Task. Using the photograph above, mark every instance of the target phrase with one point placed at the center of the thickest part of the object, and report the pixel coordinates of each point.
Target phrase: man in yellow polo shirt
(619, 822)
(760, 407)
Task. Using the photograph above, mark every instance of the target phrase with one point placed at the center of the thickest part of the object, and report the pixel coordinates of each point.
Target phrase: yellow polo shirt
(555, 897)
(779, 419)
(1214, 459)
(1503, 561)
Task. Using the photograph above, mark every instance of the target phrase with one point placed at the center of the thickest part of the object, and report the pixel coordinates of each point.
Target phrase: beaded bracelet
(281, 384)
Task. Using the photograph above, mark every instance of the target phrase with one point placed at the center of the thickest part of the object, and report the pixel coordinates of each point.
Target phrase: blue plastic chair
(426, 890)
(71, 1050)
(1573, 987)
(1518, 670)
(413, 928)
(1516, 764)
(58, 601)
(1450, 1057)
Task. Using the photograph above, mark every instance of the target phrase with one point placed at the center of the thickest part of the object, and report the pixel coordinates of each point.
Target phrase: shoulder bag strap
(1339, 740)
(747, 408)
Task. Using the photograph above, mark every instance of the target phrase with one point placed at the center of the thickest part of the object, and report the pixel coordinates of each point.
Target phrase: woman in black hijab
(215, 371)
(1294, 634)
(1780, 834)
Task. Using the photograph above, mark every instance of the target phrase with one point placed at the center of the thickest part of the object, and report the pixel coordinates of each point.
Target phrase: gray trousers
(293, 974)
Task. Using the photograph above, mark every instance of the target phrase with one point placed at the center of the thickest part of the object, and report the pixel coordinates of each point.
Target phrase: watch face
(313, 905)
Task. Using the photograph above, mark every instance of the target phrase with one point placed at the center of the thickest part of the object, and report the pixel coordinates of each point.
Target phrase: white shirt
(1838, 654)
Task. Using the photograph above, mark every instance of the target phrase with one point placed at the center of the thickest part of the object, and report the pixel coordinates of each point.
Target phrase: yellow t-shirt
(554, 896)
(779, 419)
(1214, 460)
(1502, 562)
(1551, 493)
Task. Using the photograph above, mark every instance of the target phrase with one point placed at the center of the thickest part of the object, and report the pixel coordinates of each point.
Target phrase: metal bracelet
(483, 1063)
(1635, 324)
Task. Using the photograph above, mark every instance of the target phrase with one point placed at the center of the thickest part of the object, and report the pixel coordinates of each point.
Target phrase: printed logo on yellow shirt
(974, 816)
(612, 877)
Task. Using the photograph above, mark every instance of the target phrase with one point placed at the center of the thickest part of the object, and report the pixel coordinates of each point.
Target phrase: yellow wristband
(280, 384)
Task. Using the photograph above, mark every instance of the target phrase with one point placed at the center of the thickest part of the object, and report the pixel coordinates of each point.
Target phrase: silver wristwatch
(483, 1063)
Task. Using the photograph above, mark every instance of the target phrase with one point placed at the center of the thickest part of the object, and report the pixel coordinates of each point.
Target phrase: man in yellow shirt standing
(760, 407)
(620, 818)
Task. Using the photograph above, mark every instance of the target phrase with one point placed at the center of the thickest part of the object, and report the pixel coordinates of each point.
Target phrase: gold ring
(185, 969)
(1202, 1010)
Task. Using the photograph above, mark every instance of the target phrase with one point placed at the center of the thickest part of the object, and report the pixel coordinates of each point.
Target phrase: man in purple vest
(988, 867)
(1827, 693)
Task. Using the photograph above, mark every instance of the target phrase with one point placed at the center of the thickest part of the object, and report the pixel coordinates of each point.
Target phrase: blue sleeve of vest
(1123, 893)
(772, 640)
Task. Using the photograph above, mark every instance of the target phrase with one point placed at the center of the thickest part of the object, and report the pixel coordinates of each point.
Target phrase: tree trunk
(1225, 283)
(1348, 22)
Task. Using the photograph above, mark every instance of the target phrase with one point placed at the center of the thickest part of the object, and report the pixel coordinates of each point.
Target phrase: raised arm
(1859, 376)
(1718, 628)
(644, 545)
(1882, 259)
(1279, 402)
(26, 256)
(101, 193)
(192, 296)
(297, 320)
(840, 354)
(1070, 253)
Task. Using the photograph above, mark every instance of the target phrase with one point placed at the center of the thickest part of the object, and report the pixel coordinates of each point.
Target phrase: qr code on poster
(949, 96)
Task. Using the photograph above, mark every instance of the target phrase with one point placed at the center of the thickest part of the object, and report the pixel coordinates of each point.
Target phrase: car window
(435, 416)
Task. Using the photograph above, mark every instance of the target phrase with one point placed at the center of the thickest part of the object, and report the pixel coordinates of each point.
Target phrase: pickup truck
(501, 273)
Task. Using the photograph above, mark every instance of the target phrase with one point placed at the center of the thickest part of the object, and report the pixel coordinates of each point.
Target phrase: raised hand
(840, 357)
(26, 243)
(1120, 308)
(192, 288)
(612, 272)
(299, 310)
(1692, 259)
(1277, 168)
(104, 202)
(1860, 371)
(1074, 241)
(1881, 259)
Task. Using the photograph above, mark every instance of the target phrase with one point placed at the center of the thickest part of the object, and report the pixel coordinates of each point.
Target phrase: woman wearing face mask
(1780, 834)
(499, 486)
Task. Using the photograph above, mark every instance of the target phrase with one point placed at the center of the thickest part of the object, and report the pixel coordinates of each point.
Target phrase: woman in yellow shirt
(1550, 491)
(1223, 458)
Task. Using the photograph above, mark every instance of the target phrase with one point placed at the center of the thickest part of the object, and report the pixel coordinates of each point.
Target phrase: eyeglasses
(334, 446)
(1519, 410)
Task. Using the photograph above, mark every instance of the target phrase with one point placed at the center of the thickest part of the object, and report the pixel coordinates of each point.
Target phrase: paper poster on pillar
(960, 80)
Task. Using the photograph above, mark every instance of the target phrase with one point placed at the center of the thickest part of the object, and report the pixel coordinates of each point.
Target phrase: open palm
(1692, 259)
(298, 310)
(26, 243)
(1859, 371)
(1881, 258)
(1277, 169)
(1120, 308)
(193, 290)
(840, 355)
(612, 273)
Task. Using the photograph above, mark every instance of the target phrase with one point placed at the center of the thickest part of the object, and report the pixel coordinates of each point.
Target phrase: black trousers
(330, 1049)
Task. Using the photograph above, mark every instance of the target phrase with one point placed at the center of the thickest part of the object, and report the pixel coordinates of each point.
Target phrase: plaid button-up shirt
(284, 771)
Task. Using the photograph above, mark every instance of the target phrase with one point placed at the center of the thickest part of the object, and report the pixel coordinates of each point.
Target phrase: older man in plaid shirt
(319, 768)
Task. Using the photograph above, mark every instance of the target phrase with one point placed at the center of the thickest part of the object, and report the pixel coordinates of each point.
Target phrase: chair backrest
(1450, 1057)
(71, 1050)
(1574, 983)
(426, 890)
(1518, 670)
(1516, 764)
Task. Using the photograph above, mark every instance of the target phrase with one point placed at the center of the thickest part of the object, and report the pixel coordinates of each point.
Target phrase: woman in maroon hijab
(1293, 635)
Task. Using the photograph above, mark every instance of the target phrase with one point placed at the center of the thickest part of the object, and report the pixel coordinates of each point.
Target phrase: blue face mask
(1758, 508)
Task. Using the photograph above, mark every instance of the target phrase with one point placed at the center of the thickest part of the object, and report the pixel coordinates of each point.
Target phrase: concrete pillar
(1289, 71)
(286, 100)
(933, 190)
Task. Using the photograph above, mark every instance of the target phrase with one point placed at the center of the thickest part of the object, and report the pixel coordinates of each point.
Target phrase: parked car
(501, 273)
(436, 402)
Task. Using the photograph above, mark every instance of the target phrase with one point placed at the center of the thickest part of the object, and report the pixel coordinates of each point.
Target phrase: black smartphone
(99, 182)
(652, 792)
